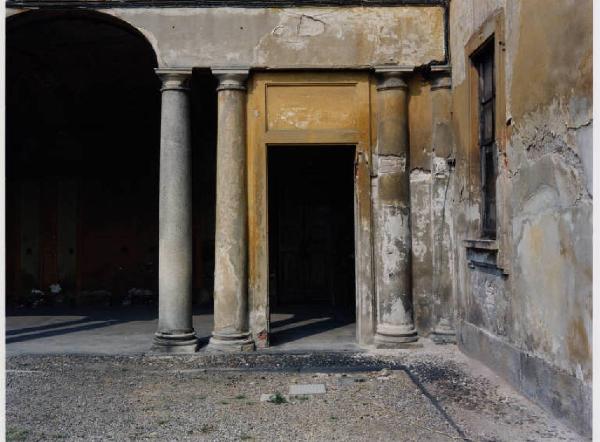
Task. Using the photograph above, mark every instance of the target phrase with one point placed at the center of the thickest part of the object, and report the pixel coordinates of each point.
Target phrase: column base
(175, 342)
(230, 343)
(443, 335)
(393, 336)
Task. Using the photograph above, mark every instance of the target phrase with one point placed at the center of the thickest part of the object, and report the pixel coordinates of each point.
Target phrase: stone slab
(304, 389)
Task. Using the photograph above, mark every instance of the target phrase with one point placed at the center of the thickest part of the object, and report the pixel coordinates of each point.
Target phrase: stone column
(391, 207)
(441, 134)
(175, 329)
(231, 331)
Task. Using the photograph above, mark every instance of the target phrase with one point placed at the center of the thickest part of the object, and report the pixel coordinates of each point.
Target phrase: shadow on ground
(123, 330)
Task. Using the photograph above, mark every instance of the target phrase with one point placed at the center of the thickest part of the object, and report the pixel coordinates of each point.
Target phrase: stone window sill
(483, 254)
(482, 244)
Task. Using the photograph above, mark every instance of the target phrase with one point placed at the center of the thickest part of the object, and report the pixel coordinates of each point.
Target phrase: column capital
(441, 78)
(231, 78)
(174, 78)
(392, 77)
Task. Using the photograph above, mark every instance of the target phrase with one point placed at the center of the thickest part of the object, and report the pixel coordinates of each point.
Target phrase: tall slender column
(175, 329)
(441, 134)
(231, 331)
(391, 206)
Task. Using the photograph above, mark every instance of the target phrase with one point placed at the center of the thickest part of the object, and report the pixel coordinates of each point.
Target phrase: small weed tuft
(206, 428)
(278, 398)
(240, 396)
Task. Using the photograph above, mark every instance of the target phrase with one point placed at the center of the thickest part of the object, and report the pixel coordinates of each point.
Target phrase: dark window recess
(484, 62)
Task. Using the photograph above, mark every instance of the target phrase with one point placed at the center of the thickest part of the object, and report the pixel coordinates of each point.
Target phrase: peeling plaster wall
(538, 314)
(289, 37)
(431, 181)
(419, 117)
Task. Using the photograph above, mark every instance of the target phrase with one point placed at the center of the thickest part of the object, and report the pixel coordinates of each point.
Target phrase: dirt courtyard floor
(427, 394)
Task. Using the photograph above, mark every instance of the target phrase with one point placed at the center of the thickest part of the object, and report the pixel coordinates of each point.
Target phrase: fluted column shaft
(231, 236)
(175, 329)
(391, 206)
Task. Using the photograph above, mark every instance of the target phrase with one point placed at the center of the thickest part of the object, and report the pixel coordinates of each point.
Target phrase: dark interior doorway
(311, 239)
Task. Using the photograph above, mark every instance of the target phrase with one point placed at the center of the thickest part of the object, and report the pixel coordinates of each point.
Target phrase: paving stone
(304, 389)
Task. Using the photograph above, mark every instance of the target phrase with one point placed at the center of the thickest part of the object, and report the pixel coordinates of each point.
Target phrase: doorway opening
(311, 245)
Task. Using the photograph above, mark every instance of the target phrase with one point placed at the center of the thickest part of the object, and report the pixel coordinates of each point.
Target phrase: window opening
(484, 62)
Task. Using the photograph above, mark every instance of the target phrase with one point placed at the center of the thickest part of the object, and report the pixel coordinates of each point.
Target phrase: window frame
(488, 155)
(491, 31)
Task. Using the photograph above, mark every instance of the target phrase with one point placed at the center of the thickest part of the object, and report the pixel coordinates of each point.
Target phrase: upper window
(484, 63)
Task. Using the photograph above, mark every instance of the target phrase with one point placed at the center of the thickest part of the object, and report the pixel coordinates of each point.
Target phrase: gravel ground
(422, 395)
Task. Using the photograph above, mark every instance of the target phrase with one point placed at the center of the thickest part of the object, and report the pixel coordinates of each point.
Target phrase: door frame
(280, 111)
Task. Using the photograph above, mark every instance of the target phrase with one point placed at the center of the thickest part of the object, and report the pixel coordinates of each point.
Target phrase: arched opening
(83, 122)
(82, 149)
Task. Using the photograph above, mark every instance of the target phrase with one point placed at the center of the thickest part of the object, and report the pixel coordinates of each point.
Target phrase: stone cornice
(103, 4)
(393, 69)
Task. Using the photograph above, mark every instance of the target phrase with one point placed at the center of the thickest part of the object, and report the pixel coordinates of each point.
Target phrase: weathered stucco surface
(431, 153)
(320, 37)
(541, 307)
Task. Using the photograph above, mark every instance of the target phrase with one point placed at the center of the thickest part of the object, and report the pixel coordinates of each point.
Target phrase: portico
(367, 111)
(277, 81)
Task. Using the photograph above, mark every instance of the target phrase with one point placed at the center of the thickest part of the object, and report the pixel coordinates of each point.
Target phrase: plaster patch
(440, 166)
(585, 145)
(417, 175)
(391, 164)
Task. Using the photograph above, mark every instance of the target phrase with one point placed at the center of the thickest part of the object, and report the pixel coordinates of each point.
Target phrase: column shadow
(88, 319)
(305, 323)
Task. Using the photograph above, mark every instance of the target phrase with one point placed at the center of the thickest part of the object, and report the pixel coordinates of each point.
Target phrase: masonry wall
(525, 308)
